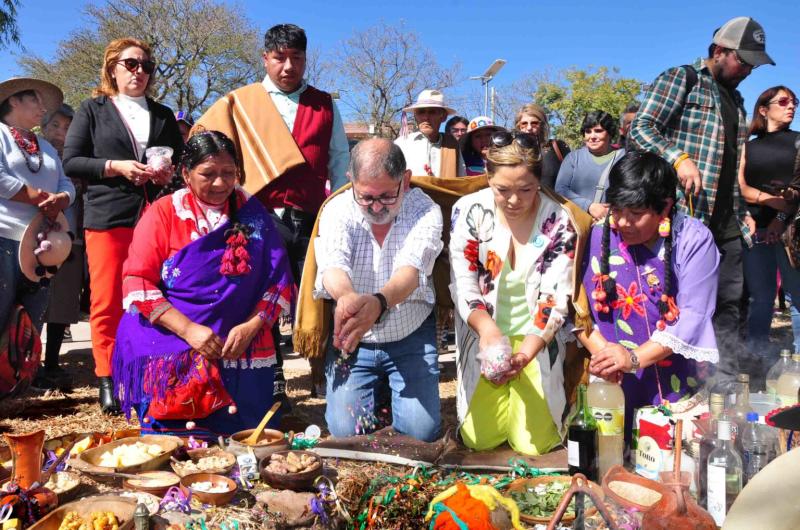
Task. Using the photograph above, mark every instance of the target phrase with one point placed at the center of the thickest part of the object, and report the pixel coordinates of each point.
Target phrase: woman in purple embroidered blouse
(652, 275)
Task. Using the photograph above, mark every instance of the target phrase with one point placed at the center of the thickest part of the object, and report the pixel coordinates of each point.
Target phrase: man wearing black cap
(694, 117)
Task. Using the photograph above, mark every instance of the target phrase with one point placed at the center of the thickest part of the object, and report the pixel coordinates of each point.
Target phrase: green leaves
(616, 260)
(675, 383)
(624, 327)
(542, 500)
(629, 344)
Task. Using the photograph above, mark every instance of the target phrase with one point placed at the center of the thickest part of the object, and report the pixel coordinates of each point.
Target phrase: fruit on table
(292, 463)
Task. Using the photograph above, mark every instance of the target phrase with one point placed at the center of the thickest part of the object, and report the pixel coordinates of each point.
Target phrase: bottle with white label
(724, 480)
(607, 403)
(789, 383)
(582, 439)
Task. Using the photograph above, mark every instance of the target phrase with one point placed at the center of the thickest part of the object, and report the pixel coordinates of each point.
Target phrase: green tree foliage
(573, 92)
(203, 48)
(9, 32)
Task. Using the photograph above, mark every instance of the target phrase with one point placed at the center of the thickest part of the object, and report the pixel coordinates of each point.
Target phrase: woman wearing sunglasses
(105, 146)
(765, 174)
(513, 248)
(583, 176)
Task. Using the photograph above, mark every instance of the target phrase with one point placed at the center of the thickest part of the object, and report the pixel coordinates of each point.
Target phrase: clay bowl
(619, 473)
(197, 454)
(522, 484)
(290, 481)
(269, 442)
(69, 492)
(215, 499)
(88, 461)
(163, 481)
(122, 507)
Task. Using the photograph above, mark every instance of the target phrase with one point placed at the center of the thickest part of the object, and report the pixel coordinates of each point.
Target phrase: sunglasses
(504, 138)
(132, 65)
(784, 101)
(367, 200)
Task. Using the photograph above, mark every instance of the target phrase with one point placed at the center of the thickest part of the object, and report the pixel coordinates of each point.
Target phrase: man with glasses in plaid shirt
(375, 253)
(694, 117)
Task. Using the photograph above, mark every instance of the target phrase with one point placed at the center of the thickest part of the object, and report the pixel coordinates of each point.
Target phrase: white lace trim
(244, 364)
(687, 350)
(141, 296)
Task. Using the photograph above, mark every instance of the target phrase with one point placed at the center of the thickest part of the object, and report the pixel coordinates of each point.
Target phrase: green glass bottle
(582, 439)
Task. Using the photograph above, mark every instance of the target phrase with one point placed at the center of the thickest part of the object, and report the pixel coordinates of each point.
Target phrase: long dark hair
(640, 180)
(758, 125)
(207, 143)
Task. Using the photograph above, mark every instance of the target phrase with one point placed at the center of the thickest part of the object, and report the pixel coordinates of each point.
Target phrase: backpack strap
(557, 149)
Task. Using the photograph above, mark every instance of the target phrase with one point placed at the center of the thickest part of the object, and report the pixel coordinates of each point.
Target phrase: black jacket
(97, 134)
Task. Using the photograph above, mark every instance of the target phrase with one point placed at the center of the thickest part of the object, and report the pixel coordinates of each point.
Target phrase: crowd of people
(626, 257)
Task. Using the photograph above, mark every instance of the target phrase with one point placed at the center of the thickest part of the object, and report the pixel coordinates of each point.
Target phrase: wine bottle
(582, 439)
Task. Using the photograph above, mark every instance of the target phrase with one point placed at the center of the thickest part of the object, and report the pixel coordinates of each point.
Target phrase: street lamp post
(487, 76)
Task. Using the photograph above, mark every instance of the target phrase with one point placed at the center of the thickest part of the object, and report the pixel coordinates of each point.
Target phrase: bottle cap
(786, 353)
(743, 378)
(313, 432)
(752, 416)
(723, 430)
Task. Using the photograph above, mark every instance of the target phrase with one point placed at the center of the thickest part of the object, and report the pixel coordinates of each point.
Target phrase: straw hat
(430, 99)
(51, 95)
(59, 249)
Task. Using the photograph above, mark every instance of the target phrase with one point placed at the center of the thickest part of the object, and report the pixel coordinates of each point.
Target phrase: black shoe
(108, 403)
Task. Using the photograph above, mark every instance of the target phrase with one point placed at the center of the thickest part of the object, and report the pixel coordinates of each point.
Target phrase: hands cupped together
(211, 346)
(611, 362)
(355, 314)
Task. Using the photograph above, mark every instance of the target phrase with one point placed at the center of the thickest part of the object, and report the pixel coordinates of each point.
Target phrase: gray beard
(383, 217)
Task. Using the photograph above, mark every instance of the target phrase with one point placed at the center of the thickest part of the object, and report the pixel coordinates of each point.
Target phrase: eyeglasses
(132, 65)
(504, 138)
(367, 200)
(784, 101)
(458, 129)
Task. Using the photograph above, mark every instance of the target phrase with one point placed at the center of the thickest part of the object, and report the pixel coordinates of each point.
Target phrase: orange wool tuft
(471, 511)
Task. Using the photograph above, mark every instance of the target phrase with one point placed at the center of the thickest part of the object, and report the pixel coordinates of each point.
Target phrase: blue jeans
(15, 288)
(761, 264)
(355, 385)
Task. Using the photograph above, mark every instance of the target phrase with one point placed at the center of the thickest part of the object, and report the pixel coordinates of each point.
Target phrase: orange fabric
(106, 251)
(471, 511)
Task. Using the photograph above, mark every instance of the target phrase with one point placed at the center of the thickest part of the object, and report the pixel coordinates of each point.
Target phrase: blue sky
(642, 38)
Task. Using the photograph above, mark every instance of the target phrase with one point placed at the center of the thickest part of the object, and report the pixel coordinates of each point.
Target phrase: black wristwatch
(384, 305)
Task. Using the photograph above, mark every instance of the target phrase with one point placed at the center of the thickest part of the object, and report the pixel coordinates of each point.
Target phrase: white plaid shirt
(346, 242)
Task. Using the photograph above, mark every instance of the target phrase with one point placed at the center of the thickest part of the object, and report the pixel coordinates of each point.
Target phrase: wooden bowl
(269, 442)
(87, 462)
(290, 481)
(522, 484)
(619, 473)
(215, 499)
(122, 507)
(164, 481)
(197, 454)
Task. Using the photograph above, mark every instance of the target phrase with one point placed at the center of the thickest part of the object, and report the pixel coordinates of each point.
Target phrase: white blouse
(136, 115)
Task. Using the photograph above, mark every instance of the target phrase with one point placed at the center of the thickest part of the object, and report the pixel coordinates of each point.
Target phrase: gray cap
(747, 37)
(65, 110)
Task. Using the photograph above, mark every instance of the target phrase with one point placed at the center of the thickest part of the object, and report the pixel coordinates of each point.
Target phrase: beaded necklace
(28, 145)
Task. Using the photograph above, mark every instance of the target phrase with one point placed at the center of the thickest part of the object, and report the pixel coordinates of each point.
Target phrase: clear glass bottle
(724, 474)
(739, 411)
(777, 369)
(789, 383)
(582, 439)
(607, 403)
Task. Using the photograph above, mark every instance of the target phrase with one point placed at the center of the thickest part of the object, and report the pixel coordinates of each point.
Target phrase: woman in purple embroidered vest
(652, 275)
(206, 277)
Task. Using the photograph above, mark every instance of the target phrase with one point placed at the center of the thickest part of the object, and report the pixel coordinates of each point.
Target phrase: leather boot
(108, 403)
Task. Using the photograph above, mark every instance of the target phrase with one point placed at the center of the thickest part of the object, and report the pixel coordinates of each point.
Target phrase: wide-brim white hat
(430, 99)
(51, 95)
(60, 240)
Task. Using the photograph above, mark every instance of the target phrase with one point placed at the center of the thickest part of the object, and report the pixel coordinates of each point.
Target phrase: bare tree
(381, 69)
(204, 49)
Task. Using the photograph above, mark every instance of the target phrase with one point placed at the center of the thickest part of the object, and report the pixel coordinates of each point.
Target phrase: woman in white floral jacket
(512, 251)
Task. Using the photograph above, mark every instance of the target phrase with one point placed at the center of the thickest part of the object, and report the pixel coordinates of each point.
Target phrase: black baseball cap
(747, 37)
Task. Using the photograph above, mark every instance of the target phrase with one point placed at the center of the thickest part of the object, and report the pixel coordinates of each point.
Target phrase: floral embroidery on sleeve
(562, 241)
